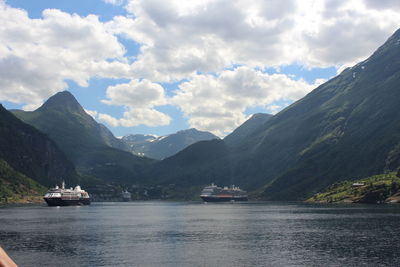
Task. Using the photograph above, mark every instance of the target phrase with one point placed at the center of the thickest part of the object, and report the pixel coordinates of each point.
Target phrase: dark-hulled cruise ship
(66, 197)
(213, 193)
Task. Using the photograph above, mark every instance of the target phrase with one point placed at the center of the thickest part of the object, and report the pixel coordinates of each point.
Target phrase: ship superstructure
(213, 193)
(126, 196)
(66, 197)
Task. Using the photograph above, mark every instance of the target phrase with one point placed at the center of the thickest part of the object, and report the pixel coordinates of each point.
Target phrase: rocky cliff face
(32, 153)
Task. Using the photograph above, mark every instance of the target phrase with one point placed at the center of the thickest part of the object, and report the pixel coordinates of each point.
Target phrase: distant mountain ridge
(139, 138)
(165, 146)
(90, 145)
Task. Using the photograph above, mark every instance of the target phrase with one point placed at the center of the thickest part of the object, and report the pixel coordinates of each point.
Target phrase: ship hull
(66, 202)
(223, 199)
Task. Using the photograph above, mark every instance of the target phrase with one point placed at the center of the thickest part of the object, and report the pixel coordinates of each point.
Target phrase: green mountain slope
(207, 162)
(383, 188)
(16, 187)
(90, 145)
(198, 164)
(246, 129)
(347, 127)
(32, 153)
(66, 122)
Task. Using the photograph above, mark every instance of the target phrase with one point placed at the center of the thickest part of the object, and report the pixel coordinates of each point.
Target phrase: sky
(159, 66)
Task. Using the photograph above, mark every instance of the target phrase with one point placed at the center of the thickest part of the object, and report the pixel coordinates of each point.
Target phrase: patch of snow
(161, 137)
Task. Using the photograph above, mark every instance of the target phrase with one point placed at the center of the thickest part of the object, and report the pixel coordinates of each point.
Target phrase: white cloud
(218, 103)
(108, 119)
(136, 94)
(215, 103)
(179, 40)
(195, 41)
(346, 32)
(383, 4)
(273, 109)
(38, 55)
(114, 2)
(139, 98)
(92, 113)
(135, 117)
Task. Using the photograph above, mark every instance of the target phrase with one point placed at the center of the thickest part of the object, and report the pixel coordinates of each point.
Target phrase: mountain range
(345, 129)
(164, 146)
(89, 145)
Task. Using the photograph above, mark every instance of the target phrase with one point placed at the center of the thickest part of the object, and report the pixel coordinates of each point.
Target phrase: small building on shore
(355, 185)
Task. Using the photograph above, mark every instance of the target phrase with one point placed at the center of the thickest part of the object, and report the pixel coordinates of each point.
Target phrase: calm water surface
(197, 234)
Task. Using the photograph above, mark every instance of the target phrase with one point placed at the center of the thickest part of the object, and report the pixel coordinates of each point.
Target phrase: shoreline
(21, 200)
(38, 200)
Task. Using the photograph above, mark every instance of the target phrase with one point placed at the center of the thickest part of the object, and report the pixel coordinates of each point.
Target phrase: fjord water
(198, 234)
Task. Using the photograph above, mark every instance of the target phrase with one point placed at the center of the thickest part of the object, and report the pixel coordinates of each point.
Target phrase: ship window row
(208, 190)
(53, 195)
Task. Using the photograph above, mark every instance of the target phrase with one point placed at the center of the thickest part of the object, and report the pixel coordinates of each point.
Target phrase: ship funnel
(63, 185)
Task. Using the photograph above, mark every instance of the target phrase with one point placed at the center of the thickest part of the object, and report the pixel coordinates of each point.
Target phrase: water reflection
(187, 234)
